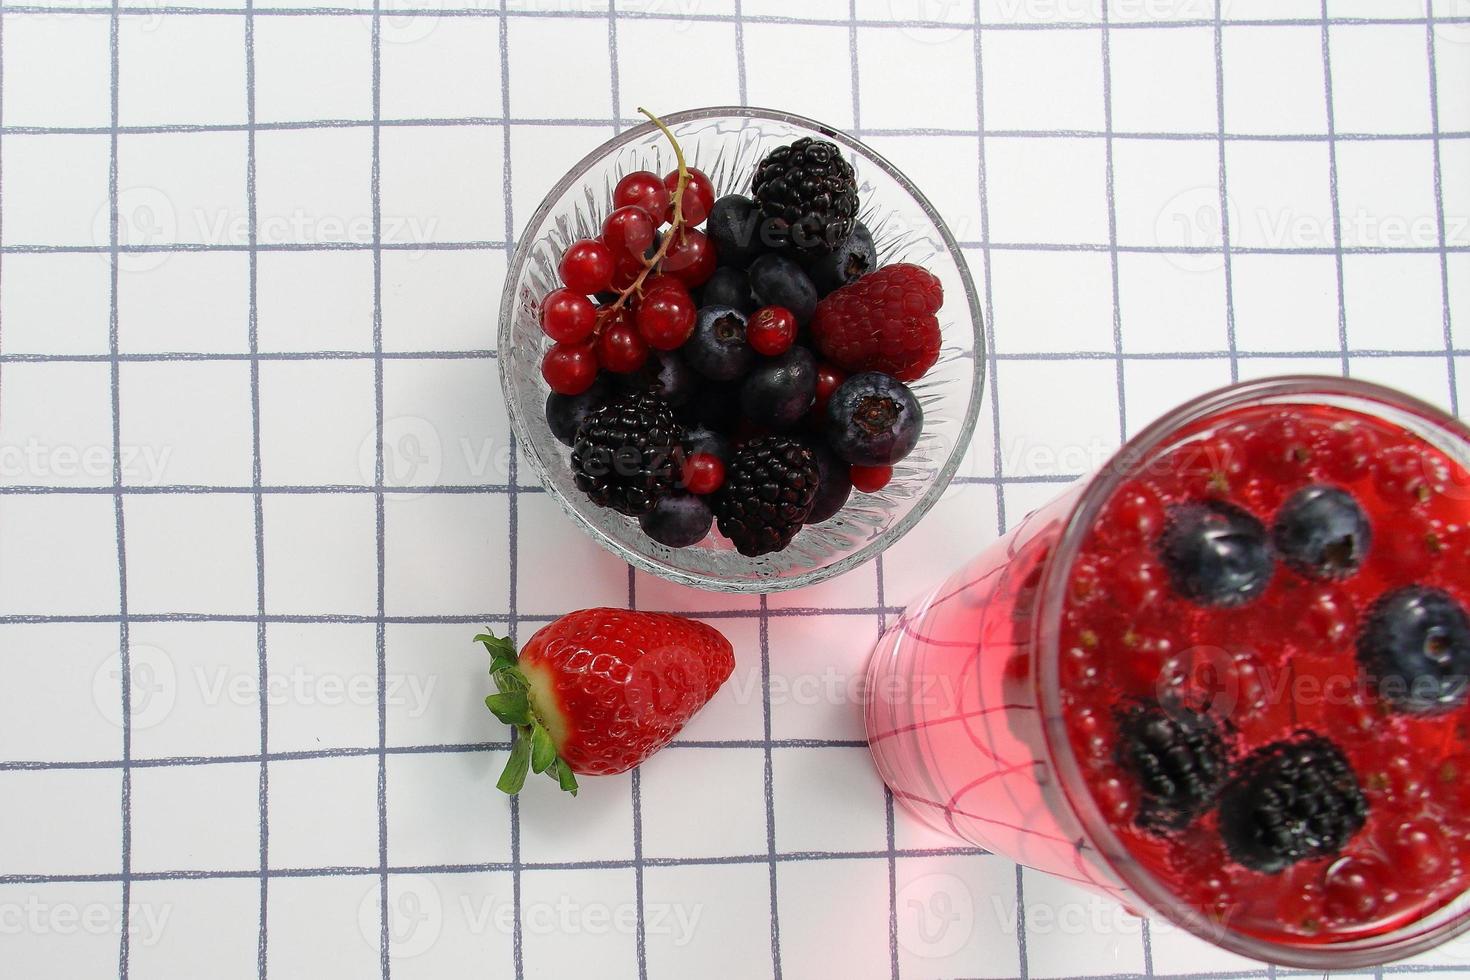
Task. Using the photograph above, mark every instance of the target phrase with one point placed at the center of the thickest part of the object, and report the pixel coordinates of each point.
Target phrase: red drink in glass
(1249, 761)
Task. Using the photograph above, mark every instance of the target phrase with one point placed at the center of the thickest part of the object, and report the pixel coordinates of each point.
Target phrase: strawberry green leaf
(502, 651)
(511, 707)
(565, 776)
(543, 749)
(514, 776)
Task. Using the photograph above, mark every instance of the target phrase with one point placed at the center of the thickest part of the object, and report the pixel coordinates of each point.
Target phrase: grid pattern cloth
(259, 489)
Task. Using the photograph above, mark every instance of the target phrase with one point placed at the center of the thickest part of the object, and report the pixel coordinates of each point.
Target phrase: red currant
(1138, 583)
(771, 331)
(666, 318)
(628, 231)
(568, 317)
(829, 379)
(1410, 475)
(569, 369)
(654, 284)
(690, 257)
(626, 270)
(871, 479)
(703, 473)
(1354, 889)
(621, 348)
(1419, 850)
(1115, 799)
(1135, 516)
(1282, 448)
(1323, 619)
(643, 189)
(587, 267)
(699, 196)
(1347, 450)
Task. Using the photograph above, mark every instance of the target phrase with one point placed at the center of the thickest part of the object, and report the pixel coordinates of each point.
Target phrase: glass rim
(1406, 940)
(922, 504)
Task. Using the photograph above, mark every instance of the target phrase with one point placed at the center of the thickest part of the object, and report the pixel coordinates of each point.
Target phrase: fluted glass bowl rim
(519, 427)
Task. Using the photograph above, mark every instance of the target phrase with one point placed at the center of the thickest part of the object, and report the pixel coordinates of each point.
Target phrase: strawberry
(598, 691)
(883, 322)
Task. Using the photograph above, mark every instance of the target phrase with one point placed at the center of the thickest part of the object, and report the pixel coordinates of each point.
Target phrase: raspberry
(883, 322)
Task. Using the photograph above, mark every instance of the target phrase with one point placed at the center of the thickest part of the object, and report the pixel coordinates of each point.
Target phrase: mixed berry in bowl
(1265, 666)
(753, 345)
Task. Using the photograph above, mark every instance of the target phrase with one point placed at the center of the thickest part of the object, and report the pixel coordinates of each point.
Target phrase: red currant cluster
(643, 273)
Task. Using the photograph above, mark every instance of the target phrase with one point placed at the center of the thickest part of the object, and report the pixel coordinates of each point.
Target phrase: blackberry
(1291, 801)
(625, 454)
(769, 489)
(807, 193)
(1178, 757)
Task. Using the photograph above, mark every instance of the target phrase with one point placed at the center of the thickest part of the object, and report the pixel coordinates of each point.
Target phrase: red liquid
(958, 734)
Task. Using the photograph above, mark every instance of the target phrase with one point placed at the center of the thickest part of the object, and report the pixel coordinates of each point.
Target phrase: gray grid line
(124, 647)
(1454, 249)
(518, 953)
(992, 370)
(1342, 333)
(770, 779)
(1439, 213)
(263, 665)
(610, 864)
(1112, 205)
(1023, 356)
(447, 748)
(380, 516)
(574, 122)
(1229, 271)
(681, 16)
(1109, 173)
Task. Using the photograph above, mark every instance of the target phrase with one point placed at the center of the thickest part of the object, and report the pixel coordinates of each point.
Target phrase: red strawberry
(598, 691)
(883, 322)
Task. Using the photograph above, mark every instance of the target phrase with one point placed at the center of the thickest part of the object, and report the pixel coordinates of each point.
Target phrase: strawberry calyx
(534, 748)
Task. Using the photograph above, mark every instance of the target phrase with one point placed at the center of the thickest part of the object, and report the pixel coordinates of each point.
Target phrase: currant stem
(676, 221)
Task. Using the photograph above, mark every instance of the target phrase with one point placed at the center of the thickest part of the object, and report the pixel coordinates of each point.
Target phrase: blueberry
(873, 420)
(678, 521)
(778, 281)
(729, 287)
(845, 264)
(735, 226)
(1216, 554)
(665, 374)
(1322, 533)
(717, 348)
(1415, 646)
(564, 413)
(835, 484)
(702, 439)
(780, 390)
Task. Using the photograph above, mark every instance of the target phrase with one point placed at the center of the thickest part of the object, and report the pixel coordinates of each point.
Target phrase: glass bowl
(727, 143)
